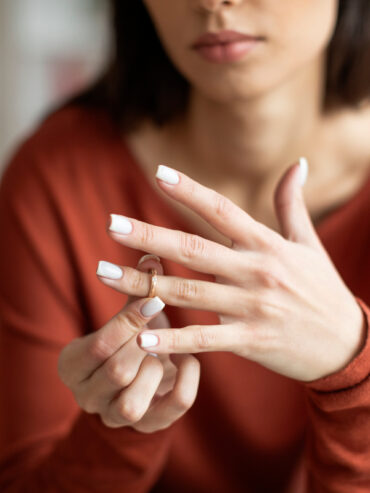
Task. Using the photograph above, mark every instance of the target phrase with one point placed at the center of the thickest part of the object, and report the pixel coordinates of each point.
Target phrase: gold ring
(153, 283)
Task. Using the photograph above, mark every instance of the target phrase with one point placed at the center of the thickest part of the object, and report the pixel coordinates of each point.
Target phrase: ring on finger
(153, 283)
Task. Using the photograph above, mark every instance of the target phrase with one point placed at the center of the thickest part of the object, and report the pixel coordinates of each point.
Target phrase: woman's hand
(280, 300)
(110, 375)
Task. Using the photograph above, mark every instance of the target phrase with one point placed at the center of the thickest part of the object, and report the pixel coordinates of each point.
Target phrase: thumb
(291, 211)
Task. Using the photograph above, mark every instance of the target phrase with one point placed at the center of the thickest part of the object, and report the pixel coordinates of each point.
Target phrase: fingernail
(148, 340)
(303, 170)
(109, 270)
(149, 256)
(168, 175)
(154, 305)
(119, 224)
(153, 354)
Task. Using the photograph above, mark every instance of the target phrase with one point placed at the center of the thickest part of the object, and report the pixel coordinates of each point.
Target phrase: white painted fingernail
(154, 305)
(120, 224)
(303, 170)
(109, 270)
(168, 175)
(148, 340)
(148, 256)
(153, 354)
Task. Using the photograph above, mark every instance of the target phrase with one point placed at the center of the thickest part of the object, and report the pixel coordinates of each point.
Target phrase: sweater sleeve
(46, 442)
(338, 442)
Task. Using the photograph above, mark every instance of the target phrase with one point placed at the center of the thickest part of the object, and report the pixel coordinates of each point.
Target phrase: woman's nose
(214, 5)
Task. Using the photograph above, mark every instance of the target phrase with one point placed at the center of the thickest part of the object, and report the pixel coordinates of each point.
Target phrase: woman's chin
(231, 94)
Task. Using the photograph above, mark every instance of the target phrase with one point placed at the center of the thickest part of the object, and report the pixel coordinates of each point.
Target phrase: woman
(271, 295)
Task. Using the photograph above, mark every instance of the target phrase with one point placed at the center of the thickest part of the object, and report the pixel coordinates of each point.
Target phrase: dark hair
(142, 82)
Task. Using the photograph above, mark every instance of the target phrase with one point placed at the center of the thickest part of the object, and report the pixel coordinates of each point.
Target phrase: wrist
(357, 368)
(358, 331)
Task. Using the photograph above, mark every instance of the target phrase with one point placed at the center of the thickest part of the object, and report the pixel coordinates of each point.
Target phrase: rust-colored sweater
(249, 430)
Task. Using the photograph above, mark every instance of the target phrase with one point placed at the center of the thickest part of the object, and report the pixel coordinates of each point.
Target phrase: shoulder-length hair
(142, 82)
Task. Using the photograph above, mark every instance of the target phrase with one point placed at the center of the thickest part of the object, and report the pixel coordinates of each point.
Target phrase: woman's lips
(225, 46)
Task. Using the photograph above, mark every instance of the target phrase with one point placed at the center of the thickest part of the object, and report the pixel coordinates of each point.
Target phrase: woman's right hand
(111, 375)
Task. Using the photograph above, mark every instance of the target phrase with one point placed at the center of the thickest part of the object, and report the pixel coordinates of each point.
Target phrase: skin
(111, 376)
(300, 322)
(246, 121)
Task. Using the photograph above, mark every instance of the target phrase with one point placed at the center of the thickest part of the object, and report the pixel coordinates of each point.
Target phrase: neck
(258, 137)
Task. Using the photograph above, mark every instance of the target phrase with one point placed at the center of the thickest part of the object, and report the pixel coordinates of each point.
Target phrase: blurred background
(49, 50)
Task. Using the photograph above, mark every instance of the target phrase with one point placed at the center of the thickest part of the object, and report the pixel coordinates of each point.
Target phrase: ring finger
(181, 292)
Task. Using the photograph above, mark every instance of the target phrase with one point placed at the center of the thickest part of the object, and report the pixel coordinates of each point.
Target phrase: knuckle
(222, 206)
(269, 273)
(203, 338)
(146, 234)
(130, 319)
(117, 375)
(86, 402)
(98, 349)
(273, 309)
(129, 410)
(183, 401)
(265, 307)
(186, 289)
(269, 280)
(91, 407)
(64, 362)
(191, 246)
(264, 340)
(136, 280)
(256, 309)
(174, 339)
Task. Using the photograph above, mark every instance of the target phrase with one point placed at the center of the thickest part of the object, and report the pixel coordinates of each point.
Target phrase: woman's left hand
(280, 300)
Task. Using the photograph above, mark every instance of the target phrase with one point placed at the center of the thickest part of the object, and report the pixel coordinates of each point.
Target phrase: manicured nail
(303, 170)
(148, 256)
(154, 305)
(109, 270)
(119, 224)
(168, 175)
(148, 340)
(153, 354)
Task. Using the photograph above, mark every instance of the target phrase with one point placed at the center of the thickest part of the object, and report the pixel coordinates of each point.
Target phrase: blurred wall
(49, 49)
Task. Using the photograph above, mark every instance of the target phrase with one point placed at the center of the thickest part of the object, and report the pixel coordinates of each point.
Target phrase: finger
(194, 339)
(294, 219)
(133, 402)
(85, 354)
(187, 249)
(215, 208)
(171, 406)
(118, 372)
(145, 264)
(189, 293)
